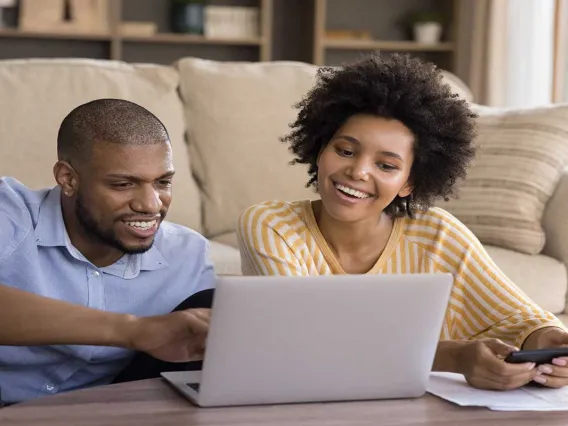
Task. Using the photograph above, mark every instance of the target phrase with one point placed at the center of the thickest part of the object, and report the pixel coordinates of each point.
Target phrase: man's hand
(176, 337)
(482, 363)
(554, 375)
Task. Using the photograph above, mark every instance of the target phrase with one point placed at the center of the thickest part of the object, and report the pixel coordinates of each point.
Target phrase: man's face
(124, 193)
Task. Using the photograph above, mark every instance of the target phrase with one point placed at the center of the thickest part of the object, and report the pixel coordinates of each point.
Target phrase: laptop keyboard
(194, 386)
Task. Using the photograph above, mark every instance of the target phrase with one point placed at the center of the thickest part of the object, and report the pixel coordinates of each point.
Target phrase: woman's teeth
(352, 192)
(142, 225)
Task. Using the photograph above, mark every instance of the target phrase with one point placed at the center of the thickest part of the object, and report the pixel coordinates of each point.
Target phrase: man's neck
(95, 251)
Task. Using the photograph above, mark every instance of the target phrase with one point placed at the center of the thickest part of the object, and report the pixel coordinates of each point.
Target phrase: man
(97, 242)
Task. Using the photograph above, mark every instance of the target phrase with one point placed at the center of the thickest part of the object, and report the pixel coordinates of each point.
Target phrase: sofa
(224, 121)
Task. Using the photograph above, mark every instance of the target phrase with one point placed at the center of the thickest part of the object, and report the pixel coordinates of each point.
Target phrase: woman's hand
(554, 375)
(482, 363)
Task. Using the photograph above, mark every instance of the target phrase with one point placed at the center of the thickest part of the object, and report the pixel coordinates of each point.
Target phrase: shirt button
(96, 274)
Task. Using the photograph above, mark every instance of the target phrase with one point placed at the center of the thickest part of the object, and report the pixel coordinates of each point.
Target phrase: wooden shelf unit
(117, 40)
(191, 39)
(322, 45)
(55, 35)
(400, 46)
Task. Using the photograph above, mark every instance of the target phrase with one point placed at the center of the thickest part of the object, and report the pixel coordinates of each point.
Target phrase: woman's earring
(408, 205)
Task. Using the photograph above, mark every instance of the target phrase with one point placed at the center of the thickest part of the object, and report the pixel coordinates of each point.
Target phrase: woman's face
(364, 167)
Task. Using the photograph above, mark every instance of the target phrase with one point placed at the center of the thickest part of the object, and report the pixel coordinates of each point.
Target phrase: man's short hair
(107, 120)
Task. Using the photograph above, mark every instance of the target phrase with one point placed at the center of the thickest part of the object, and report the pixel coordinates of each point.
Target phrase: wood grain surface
(154, 402)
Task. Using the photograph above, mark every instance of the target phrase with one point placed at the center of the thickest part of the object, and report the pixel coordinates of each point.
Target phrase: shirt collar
(50, 231)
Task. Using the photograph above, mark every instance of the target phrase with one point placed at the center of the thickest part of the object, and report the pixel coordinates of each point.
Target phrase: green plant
(407, 21)
(426, 16)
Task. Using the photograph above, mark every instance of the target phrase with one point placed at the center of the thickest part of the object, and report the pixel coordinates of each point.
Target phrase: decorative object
(84, 16)
(90, 15)
(427, 27)
(348, 35)
(132, 28)
(41, 15)
(5, 4)
(187, 16)
(231, 22)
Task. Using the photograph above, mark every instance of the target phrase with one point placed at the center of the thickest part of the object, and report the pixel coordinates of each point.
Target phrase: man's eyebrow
(126, 176)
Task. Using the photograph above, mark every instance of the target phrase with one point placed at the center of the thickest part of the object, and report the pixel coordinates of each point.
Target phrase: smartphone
(538, 356)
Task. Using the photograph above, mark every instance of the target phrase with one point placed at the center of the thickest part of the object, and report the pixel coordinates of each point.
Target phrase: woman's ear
(406, 190)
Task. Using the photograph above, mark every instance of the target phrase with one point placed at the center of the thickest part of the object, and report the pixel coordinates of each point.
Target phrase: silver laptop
(275, 340)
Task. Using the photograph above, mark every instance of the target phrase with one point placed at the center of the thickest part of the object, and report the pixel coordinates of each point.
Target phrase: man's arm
(27, 319)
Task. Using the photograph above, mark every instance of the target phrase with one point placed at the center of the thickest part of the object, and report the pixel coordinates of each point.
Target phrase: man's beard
(95, 231)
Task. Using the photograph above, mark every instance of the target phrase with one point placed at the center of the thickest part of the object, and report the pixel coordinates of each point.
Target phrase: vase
(427, 32)
(187, 18)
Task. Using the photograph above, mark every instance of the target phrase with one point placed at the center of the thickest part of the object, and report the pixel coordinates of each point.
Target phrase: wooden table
(154, 402)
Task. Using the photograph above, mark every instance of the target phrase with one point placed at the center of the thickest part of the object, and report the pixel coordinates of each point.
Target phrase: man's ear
(406, 190)
(66, 177)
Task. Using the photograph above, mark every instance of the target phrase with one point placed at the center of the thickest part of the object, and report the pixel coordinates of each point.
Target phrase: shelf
(62, 35)
(156, 38)
(191, 39)
(402, 46)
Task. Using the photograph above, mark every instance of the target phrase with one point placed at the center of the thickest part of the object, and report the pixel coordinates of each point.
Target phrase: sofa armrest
(555, 222)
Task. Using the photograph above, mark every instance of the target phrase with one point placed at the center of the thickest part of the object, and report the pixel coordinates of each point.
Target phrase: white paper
(453, 387)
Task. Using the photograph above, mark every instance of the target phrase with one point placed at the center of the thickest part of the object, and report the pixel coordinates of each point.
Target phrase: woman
(385, 138)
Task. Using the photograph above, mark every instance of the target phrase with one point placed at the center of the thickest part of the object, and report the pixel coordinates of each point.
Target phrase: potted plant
(426, 26)
(187, 16)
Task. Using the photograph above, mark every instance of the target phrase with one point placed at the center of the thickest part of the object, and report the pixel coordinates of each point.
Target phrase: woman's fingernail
(540, 379)
(530, 366)
(559, 361)
(546, 369)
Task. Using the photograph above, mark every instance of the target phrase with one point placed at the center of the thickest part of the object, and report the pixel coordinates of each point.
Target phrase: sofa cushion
(230, 239)
(38, 94)
(225, 259)
(521, 156)
(564, 319)
(236, 113)
(541, 278)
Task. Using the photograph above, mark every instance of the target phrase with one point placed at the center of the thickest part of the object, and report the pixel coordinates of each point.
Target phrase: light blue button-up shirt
(36, 255)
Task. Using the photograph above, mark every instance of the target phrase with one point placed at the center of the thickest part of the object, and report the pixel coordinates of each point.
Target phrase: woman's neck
(356, 237)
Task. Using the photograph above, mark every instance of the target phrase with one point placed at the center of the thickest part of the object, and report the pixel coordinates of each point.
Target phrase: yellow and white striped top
(283, 238)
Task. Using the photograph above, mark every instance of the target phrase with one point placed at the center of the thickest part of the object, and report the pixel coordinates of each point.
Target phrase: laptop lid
(322, 338)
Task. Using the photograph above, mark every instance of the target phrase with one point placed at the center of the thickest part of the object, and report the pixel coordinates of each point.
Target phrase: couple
(89, 271)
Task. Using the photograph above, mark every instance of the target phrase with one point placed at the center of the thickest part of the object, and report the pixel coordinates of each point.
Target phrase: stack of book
(231, 22)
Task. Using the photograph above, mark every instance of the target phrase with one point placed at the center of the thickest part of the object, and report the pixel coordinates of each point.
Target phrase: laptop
(278, 340)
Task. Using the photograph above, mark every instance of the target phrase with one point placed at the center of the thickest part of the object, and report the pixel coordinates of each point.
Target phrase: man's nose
(147, 200)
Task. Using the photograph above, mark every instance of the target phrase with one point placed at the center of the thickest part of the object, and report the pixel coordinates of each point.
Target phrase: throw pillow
(521, 156)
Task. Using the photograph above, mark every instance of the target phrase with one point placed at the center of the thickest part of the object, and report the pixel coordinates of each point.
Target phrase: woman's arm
(485, 303)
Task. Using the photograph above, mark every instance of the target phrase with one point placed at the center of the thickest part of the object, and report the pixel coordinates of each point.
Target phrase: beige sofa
(224, 121)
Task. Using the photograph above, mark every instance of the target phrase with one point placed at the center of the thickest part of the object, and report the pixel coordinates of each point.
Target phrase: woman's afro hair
(399, 87)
